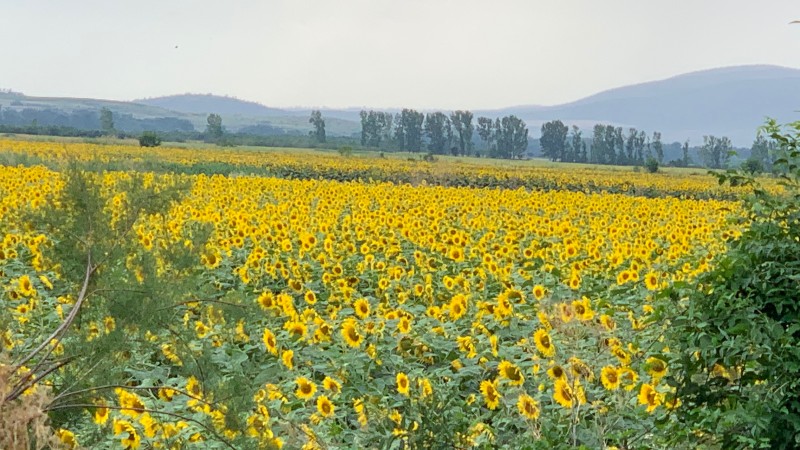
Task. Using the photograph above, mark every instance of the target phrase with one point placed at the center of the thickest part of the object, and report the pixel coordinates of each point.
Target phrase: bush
(738, 368)
(651, 165)
(346, 151)
(149, 139)
(753, 166)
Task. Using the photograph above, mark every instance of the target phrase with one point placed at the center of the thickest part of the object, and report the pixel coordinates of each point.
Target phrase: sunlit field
(319, 301)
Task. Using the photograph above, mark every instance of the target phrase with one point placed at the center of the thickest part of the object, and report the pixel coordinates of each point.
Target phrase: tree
(554, 140)
(577, 148)
(715, 151)
(319, 126)
(512, 137)
(411, 128)
(107, 121)
(764, 150)
(149, 139)
(486, 132)
(437, 127)
(462, 125)
(630, 146)
(658, 147)
(685, 150)
(214, 128)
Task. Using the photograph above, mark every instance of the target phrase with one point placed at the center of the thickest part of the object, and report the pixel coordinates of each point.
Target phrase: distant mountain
(731, 101)
(208, 103)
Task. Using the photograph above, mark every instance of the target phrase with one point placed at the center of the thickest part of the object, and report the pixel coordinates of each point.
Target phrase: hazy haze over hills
(731, 101)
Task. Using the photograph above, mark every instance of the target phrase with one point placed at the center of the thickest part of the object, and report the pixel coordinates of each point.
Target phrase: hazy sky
(414, 53)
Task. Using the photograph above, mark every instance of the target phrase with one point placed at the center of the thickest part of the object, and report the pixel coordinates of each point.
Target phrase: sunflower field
(326, 302)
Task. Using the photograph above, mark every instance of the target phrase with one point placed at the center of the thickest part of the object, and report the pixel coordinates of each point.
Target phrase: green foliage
(214, 128)
(716, 152)
(346, 151)
(738, 368)
(319, 126)
(554, 140)
(149, 139)
(651, 164)
(752, 166)
(106, 121)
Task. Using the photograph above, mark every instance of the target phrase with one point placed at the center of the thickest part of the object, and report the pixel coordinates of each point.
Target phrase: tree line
(436, 132)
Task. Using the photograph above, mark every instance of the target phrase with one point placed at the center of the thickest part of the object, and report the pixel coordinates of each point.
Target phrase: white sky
(444, 54)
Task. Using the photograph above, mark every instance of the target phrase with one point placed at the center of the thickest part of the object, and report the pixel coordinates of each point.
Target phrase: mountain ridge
(728, 101)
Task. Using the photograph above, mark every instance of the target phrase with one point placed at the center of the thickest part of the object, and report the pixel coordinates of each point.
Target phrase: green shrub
(651, 165)
(753, 166)
(737, 370)
(149, 139)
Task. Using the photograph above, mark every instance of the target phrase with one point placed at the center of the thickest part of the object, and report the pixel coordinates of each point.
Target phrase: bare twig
(113, 386)
(56, 335)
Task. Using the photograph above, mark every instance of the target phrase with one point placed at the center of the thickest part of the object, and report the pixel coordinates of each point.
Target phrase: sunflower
(623, 357)
(609, 376)
(404, 325)
(607, 322)
(287, 358)
(556, 372)
(528, 407)
(296, 329)
(266, 300)
(458, 306)
(402, 383)
(543, 343)
(270, 342)
(361, 308)
(350, 334)
(67, 438)
(305, 388)
(539, 291)
(649, 396)
(563, 393)
(325, 406)
(504, 308)
(310, 297)
(425, 388)
(583, 309)
(331, 385)
(566, 312)
(490, 394)
(101, 413)
(628, 377)
(130, 403)
(656, 367)
(651, 281)
(510, 372)
(130, 438)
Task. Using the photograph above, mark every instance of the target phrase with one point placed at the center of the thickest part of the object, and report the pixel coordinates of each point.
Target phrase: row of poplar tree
(439, 133)
(608, 145)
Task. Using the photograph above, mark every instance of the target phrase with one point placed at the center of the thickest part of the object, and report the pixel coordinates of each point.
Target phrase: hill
(730, 101)
(208, 103)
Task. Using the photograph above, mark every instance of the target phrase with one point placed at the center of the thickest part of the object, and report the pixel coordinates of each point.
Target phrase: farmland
(244, 299)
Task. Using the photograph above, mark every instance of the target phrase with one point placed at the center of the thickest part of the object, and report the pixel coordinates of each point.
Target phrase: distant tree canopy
(90, 120)
(318, 123)
(214, 128)
(107, 121)
(461, 122)
(554, 141)
(715, 152)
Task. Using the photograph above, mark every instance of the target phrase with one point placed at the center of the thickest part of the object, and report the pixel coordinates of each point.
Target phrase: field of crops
(250, 311)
